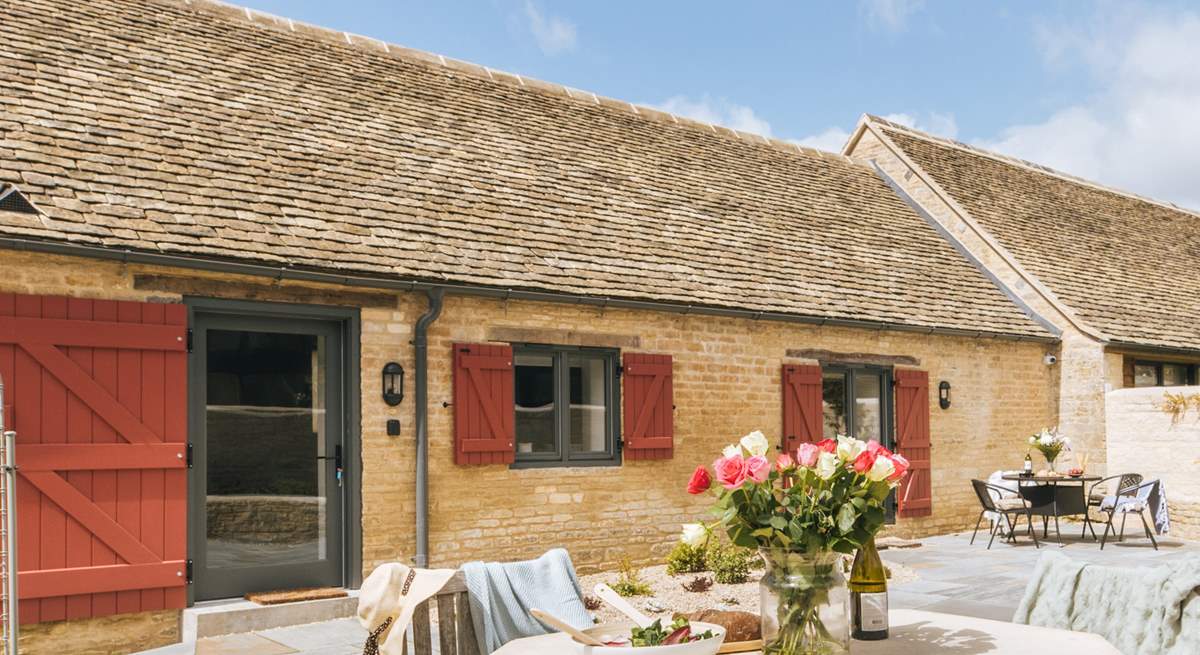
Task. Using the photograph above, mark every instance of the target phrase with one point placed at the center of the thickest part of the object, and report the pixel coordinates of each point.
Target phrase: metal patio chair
(1127, 483)
(1137, 501)
(994, 499)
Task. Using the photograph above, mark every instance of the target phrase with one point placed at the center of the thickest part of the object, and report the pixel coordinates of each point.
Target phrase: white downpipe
(8, 545)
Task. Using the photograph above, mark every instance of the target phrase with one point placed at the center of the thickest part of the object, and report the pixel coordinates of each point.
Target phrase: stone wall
(727, 382)
(266, 519)
(1143, 438)
(105, 635)
(1081, 370)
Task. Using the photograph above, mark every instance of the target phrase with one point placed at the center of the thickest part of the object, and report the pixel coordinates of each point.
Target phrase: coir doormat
(295, 595)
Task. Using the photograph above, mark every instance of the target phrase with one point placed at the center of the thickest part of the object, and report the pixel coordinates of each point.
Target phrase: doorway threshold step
(223, 617)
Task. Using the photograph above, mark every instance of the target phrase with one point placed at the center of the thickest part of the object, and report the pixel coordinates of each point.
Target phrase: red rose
(828, 445)
(864, 461)
(731, 471)
(901, 464)
(700, 481)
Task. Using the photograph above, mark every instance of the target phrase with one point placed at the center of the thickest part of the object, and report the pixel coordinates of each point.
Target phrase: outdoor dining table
(911, 632)
(1054, 496)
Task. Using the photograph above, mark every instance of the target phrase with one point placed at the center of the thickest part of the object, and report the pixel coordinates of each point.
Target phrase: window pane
(833, 391)
(1174, 375)
(589, 407)
(1145, 375)
(868, 415)
(534, 395)
(265, 422)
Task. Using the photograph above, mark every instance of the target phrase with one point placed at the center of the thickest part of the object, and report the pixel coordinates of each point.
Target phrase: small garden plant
(686, 558)
(730, 564)
(629, 581)
(698, 584)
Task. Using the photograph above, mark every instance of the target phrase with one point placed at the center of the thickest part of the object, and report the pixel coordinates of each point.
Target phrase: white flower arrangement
(1050, 443)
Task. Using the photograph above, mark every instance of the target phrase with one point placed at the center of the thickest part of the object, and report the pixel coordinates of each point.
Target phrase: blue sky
(1094, 89)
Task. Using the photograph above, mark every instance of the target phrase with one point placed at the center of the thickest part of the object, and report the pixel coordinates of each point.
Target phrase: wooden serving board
(741, 646)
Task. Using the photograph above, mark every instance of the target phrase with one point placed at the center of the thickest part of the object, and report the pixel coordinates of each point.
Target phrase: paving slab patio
(953, 576)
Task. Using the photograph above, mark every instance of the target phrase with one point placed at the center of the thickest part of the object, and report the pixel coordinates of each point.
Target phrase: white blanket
(1140, 611)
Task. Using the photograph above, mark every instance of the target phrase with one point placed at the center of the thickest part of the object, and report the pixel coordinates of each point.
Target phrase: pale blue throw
(502, 594)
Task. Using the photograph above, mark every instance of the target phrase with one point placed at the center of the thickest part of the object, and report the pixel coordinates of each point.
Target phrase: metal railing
(9, 626)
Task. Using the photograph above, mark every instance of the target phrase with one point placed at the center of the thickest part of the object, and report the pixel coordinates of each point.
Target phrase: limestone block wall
(1082, 373)
(727, 383)
(1143, 438)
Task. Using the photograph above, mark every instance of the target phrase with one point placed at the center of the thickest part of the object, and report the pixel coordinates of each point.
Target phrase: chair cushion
(1010, 504)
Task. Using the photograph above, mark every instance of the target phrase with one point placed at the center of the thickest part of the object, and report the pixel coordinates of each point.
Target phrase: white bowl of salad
(677, 638)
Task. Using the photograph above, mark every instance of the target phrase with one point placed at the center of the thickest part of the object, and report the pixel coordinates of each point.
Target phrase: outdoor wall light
(944, 394)
(393, 383)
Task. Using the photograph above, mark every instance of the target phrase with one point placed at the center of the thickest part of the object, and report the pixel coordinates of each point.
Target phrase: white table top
(912, 632)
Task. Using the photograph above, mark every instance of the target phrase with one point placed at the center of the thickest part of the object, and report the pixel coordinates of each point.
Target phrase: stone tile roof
(1128, 266)
(205, 130)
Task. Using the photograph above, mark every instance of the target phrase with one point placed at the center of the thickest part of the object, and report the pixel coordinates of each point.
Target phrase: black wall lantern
(944, 394)
(393, 383)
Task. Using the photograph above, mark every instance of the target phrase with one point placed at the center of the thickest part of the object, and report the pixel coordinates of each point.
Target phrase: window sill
(549, 464)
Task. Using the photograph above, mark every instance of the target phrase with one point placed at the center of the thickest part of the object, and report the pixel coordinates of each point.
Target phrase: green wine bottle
(868, 594)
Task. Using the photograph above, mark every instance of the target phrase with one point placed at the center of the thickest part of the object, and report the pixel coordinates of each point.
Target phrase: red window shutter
(915, 495)
(802, 405)
(98, 393)
(484, 410)
(649, 416)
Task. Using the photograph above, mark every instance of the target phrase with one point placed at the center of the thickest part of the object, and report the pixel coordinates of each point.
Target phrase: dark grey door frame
(349, 322)
(887, 408)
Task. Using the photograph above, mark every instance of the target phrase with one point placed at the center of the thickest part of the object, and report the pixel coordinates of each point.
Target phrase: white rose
(694, 534)
(731, 450)
(1032, 440)
(882, 470)
(848, 447)
(755, 443)
(827, 465)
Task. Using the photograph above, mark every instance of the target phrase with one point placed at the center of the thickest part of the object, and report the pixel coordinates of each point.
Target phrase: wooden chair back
(455, 631)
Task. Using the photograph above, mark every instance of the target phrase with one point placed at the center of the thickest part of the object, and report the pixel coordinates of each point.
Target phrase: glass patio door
(857, 402)
(266, 491)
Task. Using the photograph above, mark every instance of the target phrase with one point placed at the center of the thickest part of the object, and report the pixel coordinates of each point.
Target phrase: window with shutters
(565, 401)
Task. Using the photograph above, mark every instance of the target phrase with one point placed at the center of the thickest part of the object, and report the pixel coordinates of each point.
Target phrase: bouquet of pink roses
(827, 498)
(829, 495)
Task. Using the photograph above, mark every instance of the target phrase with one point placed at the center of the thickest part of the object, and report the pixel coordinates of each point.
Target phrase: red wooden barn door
(98, 394)
(915, 495)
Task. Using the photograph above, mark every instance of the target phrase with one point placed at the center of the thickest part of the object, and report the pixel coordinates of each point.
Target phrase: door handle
(337, 462)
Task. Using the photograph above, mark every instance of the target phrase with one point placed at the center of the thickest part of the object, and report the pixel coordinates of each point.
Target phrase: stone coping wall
(265, 519)
(1143, 437)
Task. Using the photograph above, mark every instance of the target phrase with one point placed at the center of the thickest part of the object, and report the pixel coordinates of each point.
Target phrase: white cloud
(553, 35)
(834, 138)
(890, 15)
(718, 111)
(1138, 132)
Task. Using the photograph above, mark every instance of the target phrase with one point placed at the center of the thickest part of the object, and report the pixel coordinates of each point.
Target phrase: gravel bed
(668, 595)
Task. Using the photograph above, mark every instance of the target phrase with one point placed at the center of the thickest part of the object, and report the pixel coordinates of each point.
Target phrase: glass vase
(805, 604)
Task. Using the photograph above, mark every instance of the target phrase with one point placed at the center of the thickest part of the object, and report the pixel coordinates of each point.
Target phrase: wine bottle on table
(1028, 466)
(868, 594)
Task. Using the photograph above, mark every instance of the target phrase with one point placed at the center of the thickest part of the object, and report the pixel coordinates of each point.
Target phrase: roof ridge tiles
(377, 46)
(1024, 163)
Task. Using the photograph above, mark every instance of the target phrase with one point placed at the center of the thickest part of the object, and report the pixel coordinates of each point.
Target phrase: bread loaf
(739, 626)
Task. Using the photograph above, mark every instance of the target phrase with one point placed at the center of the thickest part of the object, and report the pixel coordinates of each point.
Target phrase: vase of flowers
(802, 513)
(1050, 444)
